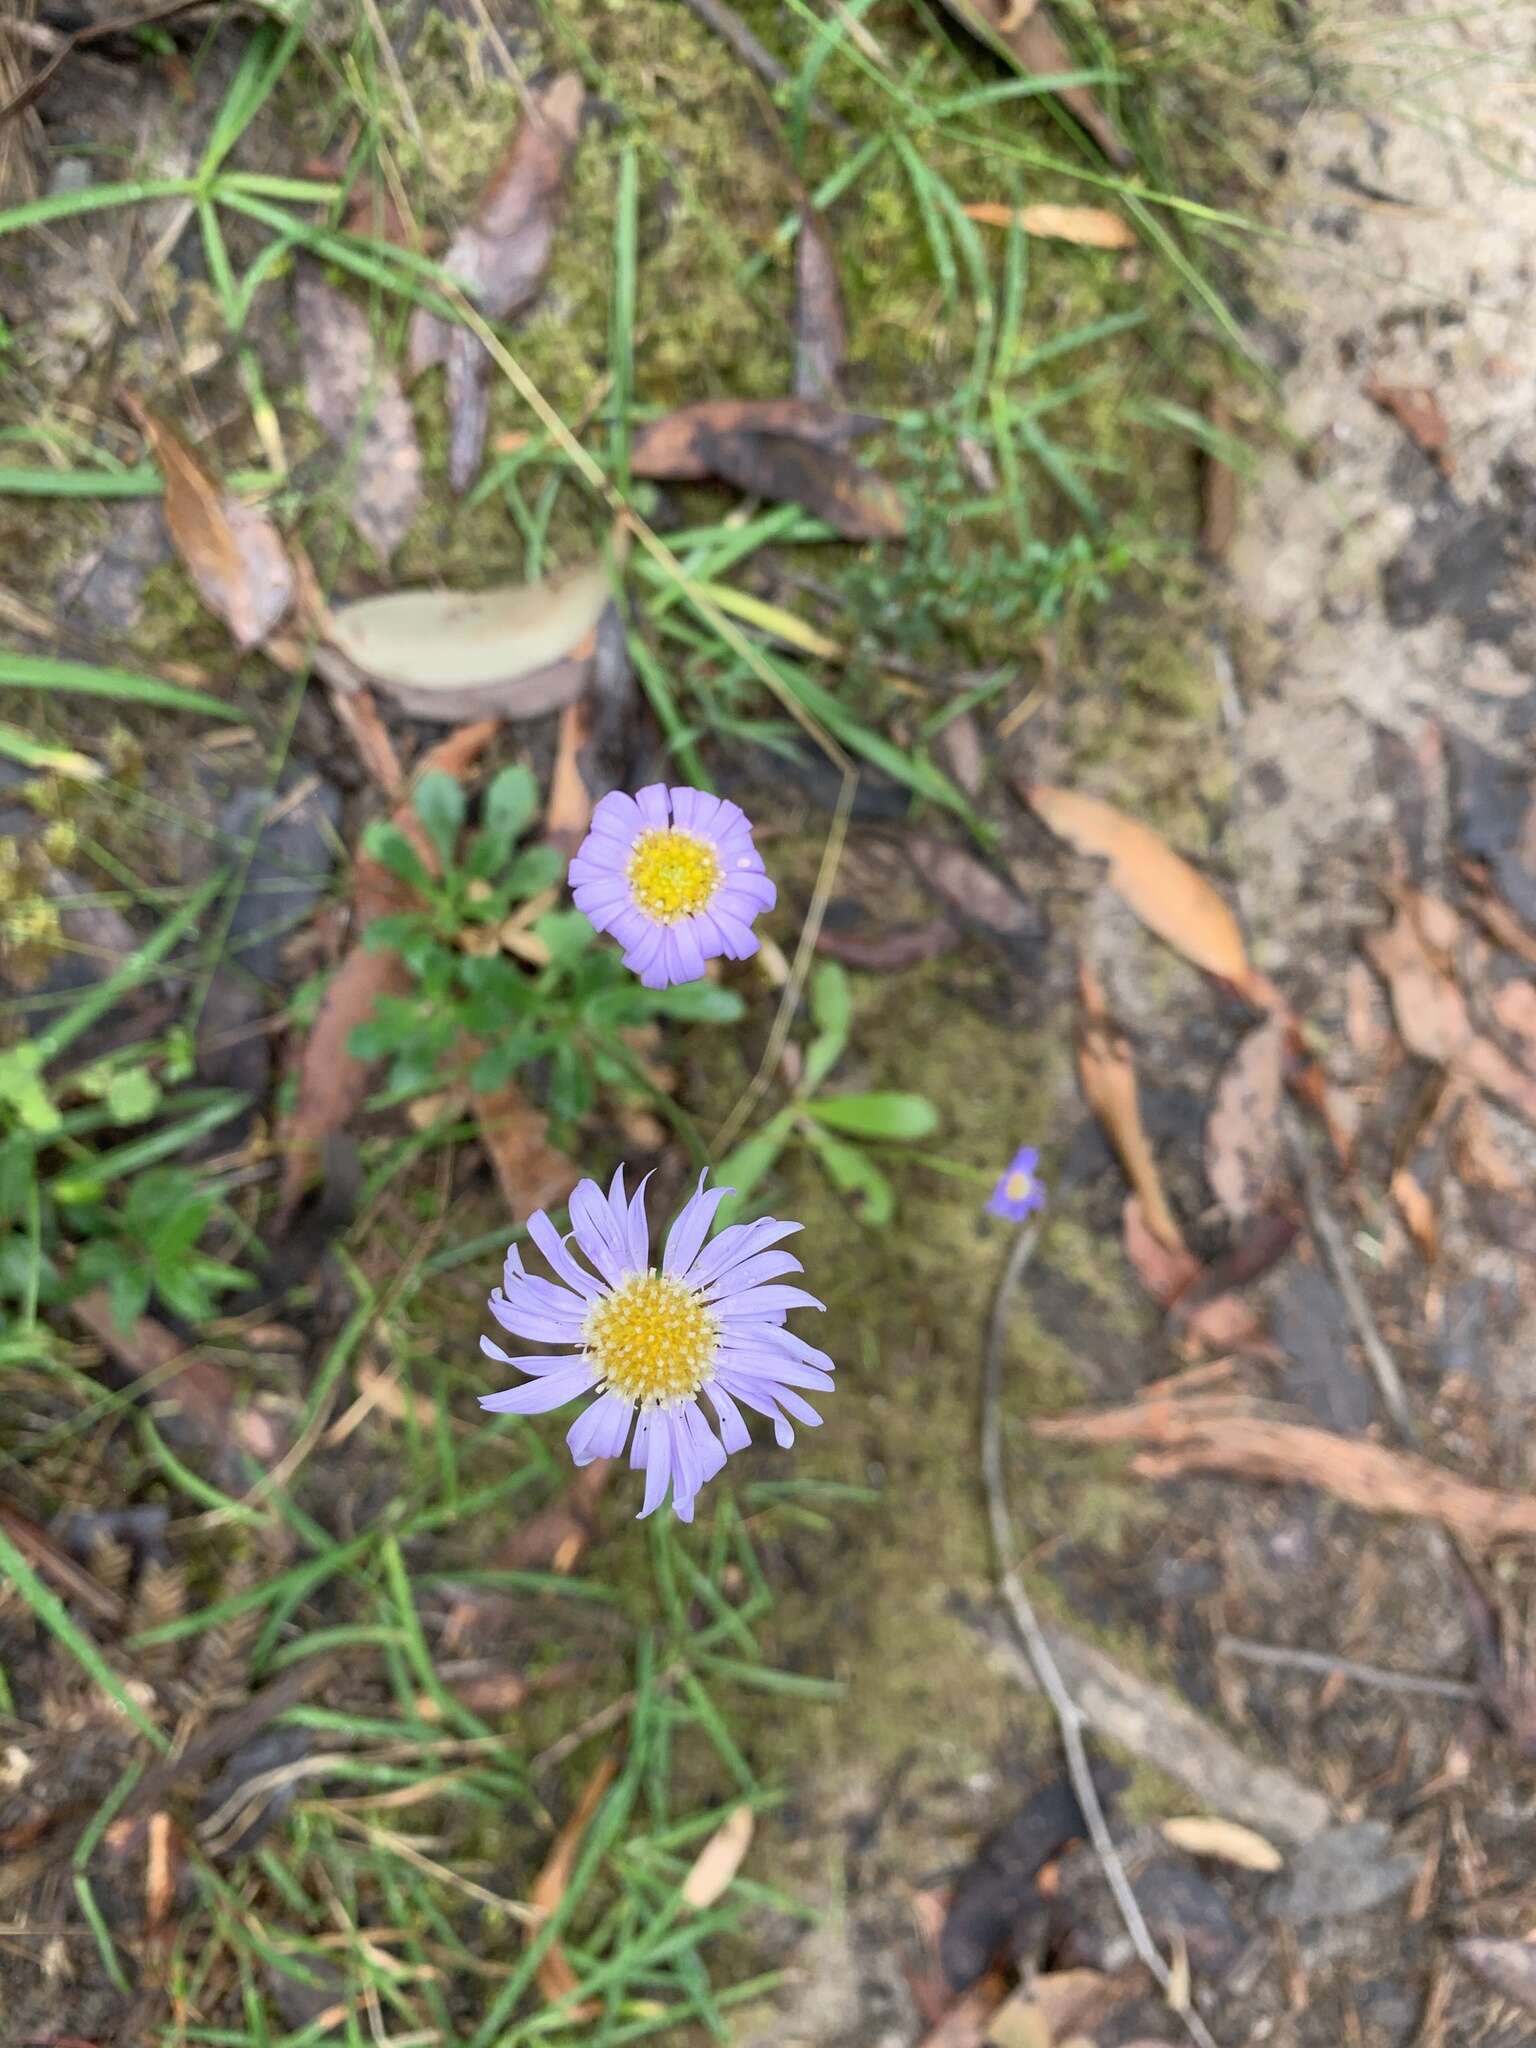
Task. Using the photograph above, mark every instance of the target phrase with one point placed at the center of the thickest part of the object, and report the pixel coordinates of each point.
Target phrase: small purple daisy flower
(651, 1341)
(1020, 1192)
(673, 874)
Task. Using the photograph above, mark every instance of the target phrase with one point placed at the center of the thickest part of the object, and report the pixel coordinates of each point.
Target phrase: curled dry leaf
(233, 553)
(1090, 227)
(673, 449)
(200, 1395)
(1228, 1841)
(1022, 31)
(888, 952)
(332, 1080)
(1212, 1434)
(556, 1977)
(1108, 1079)
(714, 1868)
(1244, 1143)
(854, 500)
(529, 1171)
(1170, 897)
(821, 336)
(359, 403)
(513, 652)
(501, 259)
(1201, 1310)
(1417, 411)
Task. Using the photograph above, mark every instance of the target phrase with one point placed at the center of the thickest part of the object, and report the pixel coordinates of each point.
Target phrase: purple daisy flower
(673, 874)
(1020, 1191)
(706, 1325)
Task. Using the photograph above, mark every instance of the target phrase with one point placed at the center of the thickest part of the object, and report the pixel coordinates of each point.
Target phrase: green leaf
(132, 1095)
(832, 1011)
(128, 1292)
(18, 1170)
(22, 1089)
(570, 1081)
(750, 1163)
(880, 1114)
(41, 672)
(440, 805)
(508, 810)
(540, 867)
(388, 845)
(853, 1172)
(697, 1002)
(567, 935)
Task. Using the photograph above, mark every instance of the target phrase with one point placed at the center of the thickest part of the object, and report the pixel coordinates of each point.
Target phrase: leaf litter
(359, 403)
(501, 258)
(821, 328)
(515, 651)
(1108, 1078)
(332, 1079)
(1090, 227)
(232, 552)
(788, 450)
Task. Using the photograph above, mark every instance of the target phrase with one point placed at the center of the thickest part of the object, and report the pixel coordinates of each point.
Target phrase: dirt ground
(1350, 730)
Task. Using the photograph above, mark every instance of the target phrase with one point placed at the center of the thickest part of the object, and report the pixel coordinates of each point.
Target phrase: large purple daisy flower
(673, 874)
(706, 1325)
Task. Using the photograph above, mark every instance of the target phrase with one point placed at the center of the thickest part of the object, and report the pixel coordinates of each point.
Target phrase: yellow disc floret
(672, 874)
(1017, 1187)
(652, 1339)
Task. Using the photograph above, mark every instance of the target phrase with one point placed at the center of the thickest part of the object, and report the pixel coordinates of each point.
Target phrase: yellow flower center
(1017, 1187)
(653, 1339)
(672, 874)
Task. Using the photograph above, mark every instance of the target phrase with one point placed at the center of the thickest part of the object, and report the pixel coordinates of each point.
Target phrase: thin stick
(1345, 1667)
(1069, 1716)
(1330, 1236)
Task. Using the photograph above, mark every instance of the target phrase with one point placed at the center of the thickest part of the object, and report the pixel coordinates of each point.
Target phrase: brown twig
(1069, 1716)
(1325, 1663)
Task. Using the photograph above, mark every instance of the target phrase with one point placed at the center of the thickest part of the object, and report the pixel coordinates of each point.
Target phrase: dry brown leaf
(965, 2023)
(1429, 1008)
(1074, 2001)
(556, 1977)
(359, 403)
(821, 336)
(1514, 1008)
(568, 813)
(888, 952)
(1019, 2023)
(673, 449)
(1109, 1086)
(159, 1873)
(1244, 1143)
(1212, 1434)
(233, 553)
(514, 651)
(1090, 227)
(854, 500)
(332, 1080)
(1480, 1158)
(201, 1395)
(555, 1539)
(1023, 32)
(1417, 1208)
(1221, 1321)
(1170, 897)
(500, 259)
(530, 1172)
(1417, 411)
(714, 1868)
(1228, 1841)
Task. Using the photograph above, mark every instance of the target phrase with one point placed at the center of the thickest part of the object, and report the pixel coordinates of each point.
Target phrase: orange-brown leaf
(1170, 897)
(233, 554)
(1109, 1085)
(556, 1977)
(1243, 1137)
(715, 1867)
(332, 1079)
(1090, 227)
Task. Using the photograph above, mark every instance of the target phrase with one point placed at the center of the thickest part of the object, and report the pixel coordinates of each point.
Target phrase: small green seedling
(836, 1128)
(498, 967)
